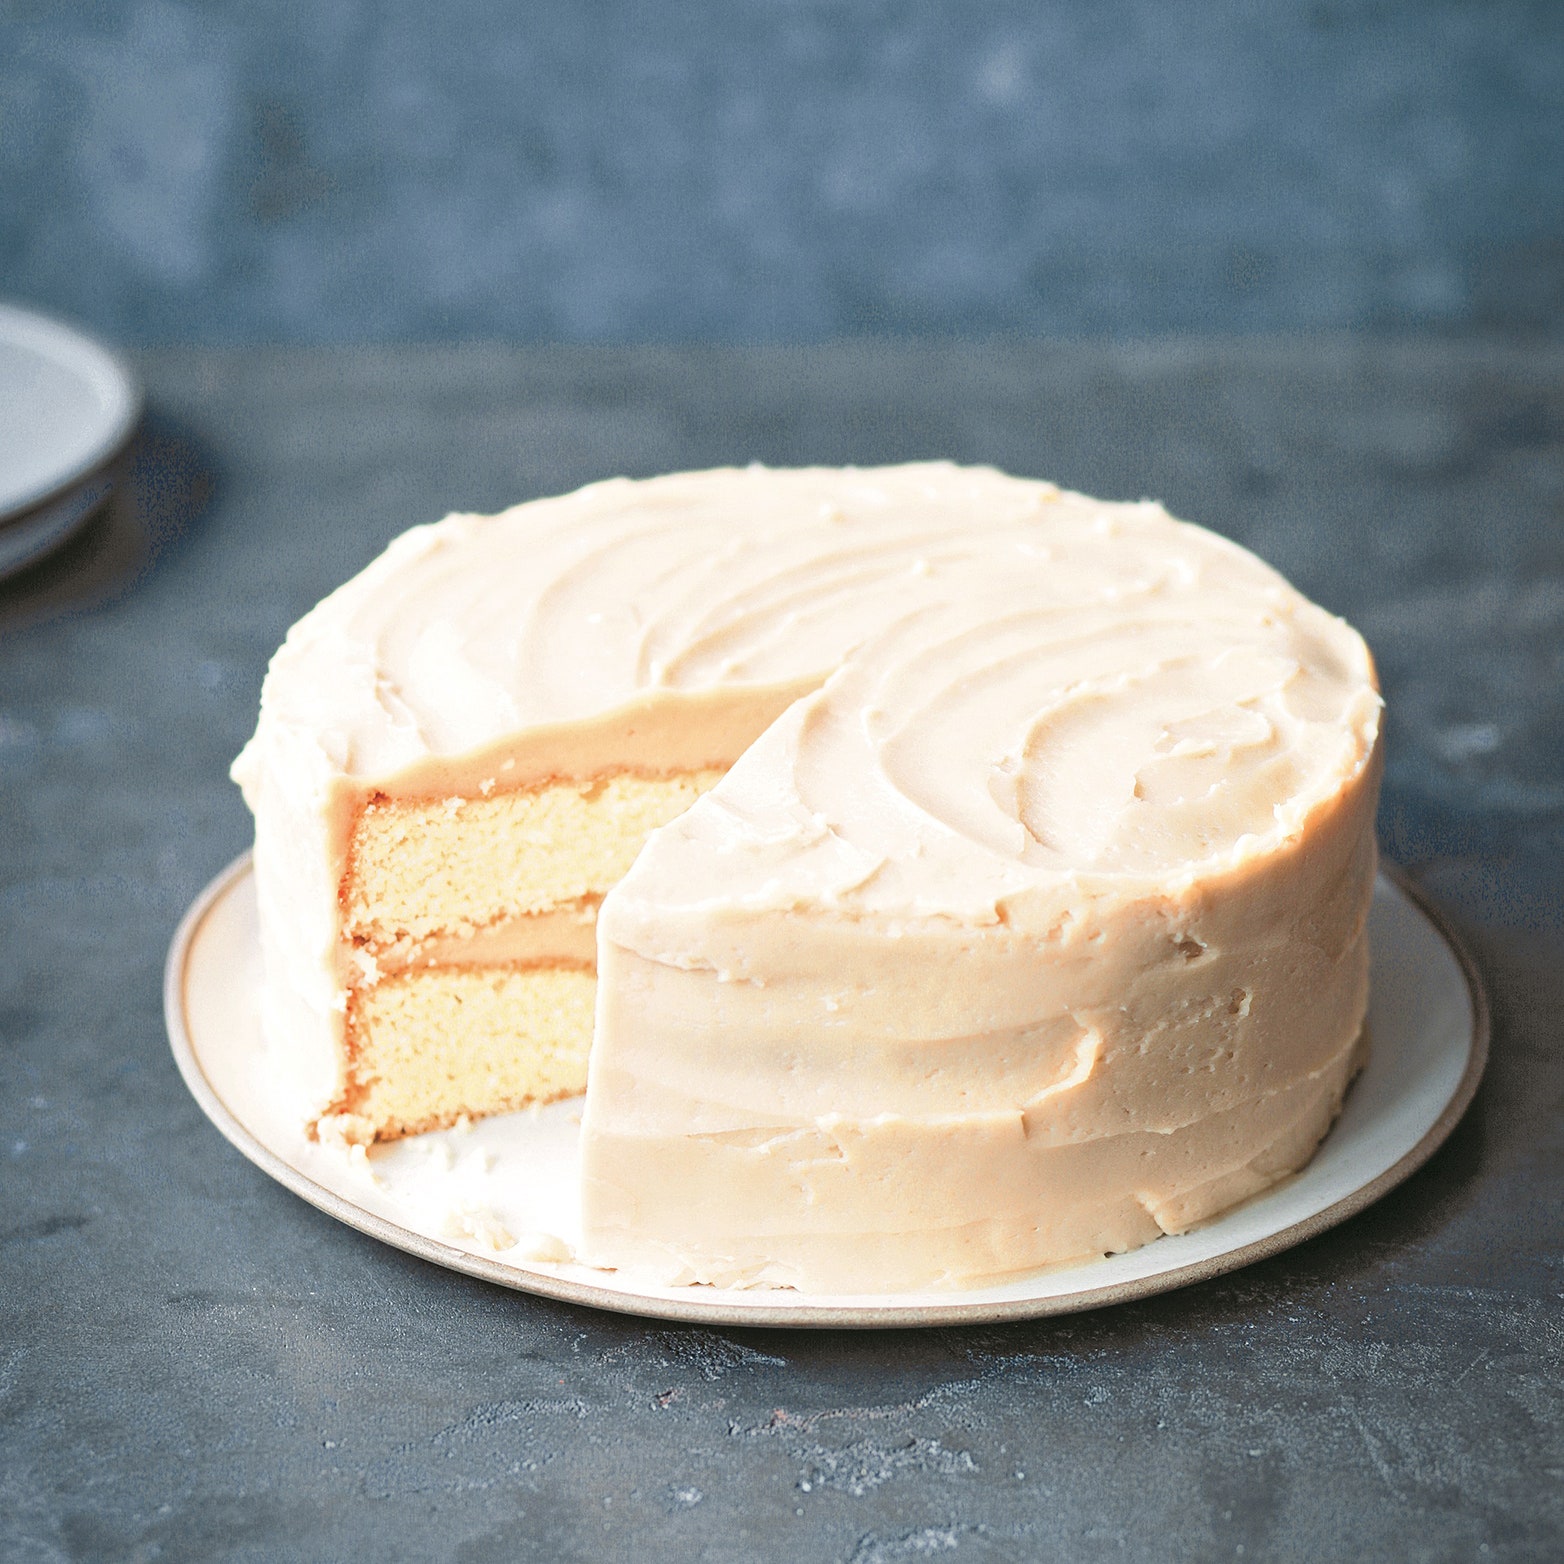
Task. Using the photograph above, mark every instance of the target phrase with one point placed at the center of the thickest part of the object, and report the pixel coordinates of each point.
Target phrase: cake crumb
(368, 967)
(480, 1225)
(546, 1247)
(358, 1160)
(343, 1130)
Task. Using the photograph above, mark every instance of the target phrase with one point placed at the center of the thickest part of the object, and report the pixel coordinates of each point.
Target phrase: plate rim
(66, 344)
(710, 1310)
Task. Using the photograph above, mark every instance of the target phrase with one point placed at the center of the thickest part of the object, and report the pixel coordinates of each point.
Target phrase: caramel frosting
(1036, 931)
(1027, 924)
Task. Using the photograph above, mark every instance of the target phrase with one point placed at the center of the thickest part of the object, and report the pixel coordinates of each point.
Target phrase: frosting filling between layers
(562, 936)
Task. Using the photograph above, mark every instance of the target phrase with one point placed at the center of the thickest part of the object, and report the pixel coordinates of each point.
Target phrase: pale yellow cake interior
(468, 944)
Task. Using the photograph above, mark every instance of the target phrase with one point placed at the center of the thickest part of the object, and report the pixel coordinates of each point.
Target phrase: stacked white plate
(68, 408)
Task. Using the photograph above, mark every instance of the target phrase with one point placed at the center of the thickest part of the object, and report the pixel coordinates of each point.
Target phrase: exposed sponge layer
(468, 944)
(431, 1046)
(424, 867)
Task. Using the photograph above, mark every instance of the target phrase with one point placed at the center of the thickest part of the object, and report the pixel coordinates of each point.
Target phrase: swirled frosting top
(1058, 682)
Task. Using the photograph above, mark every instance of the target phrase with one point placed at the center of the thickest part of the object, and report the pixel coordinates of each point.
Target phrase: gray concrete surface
(194, 1365)
(307, 170)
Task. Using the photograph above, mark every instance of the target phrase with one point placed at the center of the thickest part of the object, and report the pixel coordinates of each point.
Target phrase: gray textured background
(196, 1366)
(308, 170)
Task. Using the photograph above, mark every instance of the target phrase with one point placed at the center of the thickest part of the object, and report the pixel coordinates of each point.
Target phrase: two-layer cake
(974, 875)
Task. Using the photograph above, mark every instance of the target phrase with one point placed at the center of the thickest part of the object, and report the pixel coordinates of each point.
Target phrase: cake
(927, 874)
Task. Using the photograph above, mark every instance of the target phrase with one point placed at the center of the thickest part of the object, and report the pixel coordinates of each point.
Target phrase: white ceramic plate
(451, 1196)
(67, 408)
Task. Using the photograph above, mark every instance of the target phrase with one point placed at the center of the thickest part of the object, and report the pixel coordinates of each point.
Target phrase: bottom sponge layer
(431, 1046)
